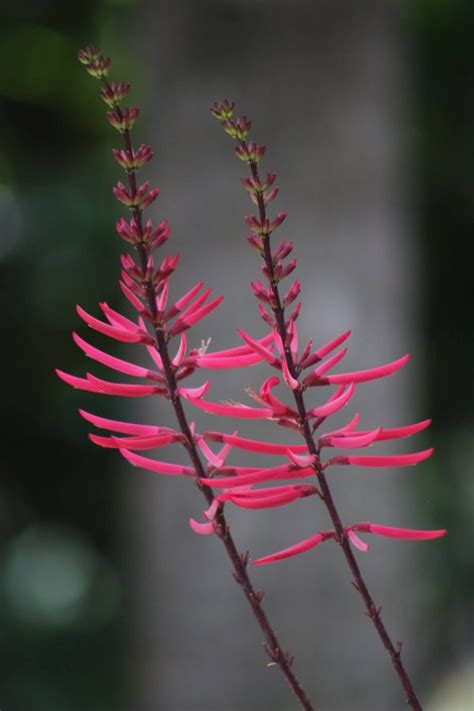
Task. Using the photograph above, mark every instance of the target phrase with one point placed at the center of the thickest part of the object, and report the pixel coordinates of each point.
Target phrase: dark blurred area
(65, 614)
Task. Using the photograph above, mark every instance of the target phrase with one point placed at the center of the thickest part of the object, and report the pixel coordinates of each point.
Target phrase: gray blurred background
(109, 601)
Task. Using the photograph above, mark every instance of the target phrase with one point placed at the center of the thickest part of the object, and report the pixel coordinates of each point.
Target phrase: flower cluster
(161, 324)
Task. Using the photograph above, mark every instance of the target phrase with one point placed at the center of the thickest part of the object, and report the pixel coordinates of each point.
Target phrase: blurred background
(108, 601)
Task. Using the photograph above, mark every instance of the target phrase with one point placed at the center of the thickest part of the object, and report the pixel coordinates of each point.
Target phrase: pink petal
(364, 376)
(124, 389)
(252, 445)
(124, 427)
(116, 319)
(258, 347)
(298, 548)
(183, 301)
(134, 300)
(227, 410)
(356, 541)
(242, 350)
(358, 440)
(192, 393)
(391, 460)
(404, 534)
(162, 299)
(268, 398)
(347, 428)
(314, 377)
(209, 360)
(78, 383)
(211, 458)
(183, 322)
(324, 350)
(272, 500)
(119, 334)
(210, 513)
(122, 366)
(258, 476)
(181, 352)
(308, 460)
(156, 466)
(400, 432)
(153, 352)
(334, 405)
(134, 443)
(204, 529)
(292, 382)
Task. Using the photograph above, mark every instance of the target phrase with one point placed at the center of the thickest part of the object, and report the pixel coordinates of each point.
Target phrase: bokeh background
(108, 601)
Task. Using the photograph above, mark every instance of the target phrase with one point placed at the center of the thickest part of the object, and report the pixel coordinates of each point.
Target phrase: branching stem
(372, 610)
(239, 562)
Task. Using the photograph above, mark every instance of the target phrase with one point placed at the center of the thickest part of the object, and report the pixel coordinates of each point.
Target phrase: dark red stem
(372, 610)
(239, 562)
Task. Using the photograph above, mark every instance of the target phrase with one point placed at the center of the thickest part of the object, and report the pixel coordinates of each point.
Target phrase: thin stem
(359, 583)
(239, 561)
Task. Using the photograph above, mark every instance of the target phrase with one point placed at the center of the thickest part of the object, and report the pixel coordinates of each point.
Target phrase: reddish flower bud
(222, 110)
(123, 120)
(98, 68)
(113, 94)
(133, 160)
(89, 54)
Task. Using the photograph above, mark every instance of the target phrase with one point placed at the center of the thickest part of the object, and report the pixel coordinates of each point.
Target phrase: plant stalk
(239, 561)
(372, 611)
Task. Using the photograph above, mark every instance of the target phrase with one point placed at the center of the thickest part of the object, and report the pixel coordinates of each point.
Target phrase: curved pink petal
(307, 460)
(351, 425)
(359, 440)
(122, 366)
(242, 411)
(364, 376)
(403, 534)
(330, 363)
(211, 458)
(120, 334)
(356, 541)
(291, 382)
(191, 316)
(117, 319)
(328, 347)
(259, 348)
(258, 476)
(242, 350)
(124, 389)
(162, 299)
(390, 460)
(298, 548)
(400, 432)
(182, 302)
(210, 513)
(332, 406)
(214, 362)
(134, 443)
(134, 300)
(155, 356)
(124, 427)
(252, 445)
(204, 529)
(181, 352)
(195, 393)
(78, 383)
(156, 466)
(272, 499)
(268, 398)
